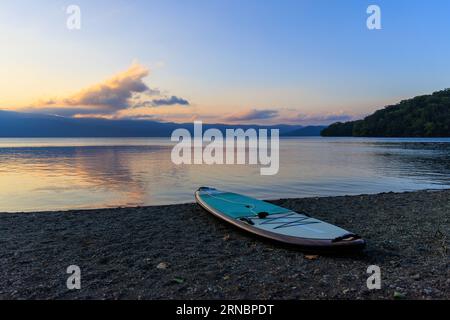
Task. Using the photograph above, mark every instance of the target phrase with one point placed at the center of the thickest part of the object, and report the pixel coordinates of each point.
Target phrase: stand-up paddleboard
(274, 222)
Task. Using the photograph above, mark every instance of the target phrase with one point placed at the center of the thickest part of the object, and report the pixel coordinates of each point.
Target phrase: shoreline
(158, 206)
(181, 252)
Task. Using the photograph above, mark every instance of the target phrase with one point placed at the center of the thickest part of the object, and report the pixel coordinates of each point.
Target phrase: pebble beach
(182, 252)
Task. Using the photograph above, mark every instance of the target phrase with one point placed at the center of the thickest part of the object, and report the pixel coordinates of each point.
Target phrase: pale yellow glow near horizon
(21, 87)
(32, 86)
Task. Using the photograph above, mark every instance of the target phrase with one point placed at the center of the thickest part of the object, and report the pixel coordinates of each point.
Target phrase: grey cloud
(326, 118)
(173, 100)
(253, 115)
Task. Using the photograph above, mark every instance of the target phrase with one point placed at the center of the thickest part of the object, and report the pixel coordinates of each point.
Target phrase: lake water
(56, 174)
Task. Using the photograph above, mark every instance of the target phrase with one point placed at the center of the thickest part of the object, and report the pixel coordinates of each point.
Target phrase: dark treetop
(422, 116)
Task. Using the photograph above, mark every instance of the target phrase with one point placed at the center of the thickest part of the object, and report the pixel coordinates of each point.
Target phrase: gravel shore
(181, 252)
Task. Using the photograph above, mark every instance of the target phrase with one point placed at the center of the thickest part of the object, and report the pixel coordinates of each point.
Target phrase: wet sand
(181, 252)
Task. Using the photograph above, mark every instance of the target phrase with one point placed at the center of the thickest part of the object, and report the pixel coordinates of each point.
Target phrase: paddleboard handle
(263, 215)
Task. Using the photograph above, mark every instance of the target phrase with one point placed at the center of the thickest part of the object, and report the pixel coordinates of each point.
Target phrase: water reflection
(425, 162)
(54, 174)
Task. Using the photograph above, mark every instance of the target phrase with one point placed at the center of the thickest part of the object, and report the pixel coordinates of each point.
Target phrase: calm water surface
(55, 174)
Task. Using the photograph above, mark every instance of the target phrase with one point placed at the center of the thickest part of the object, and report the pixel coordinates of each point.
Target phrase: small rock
(162, 266)
(226, 237)
(416, 277)
(178, 280)
(311, 257)
(399, 295)
(428, 291)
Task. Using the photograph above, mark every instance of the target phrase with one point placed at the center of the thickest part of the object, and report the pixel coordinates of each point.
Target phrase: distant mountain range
(422, 116)
(305, 131)
(31, 125)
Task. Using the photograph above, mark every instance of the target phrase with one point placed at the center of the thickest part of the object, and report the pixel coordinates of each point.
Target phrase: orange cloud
(125, 90)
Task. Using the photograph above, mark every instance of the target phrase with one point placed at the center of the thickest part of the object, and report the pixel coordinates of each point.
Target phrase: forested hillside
(422, 116)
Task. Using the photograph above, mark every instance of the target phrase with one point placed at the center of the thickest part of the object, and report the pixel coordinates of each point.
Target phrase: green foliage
(422, 116)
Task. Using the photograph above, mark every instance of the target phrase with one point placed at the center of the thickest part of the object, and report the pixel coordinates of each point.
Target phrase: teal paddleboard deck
(274, 222)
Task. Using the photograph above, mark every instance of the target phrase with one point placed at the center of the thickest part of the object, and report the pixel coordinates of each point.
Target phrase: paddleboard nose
(206, 189)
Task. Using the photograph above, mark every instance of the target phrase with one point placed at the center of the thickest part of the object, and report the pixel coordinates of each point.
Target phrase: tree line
(421, 116)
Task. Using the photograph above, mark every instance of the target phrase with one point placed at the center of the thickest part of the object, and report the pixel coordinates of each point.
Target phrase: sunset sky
(234, 61)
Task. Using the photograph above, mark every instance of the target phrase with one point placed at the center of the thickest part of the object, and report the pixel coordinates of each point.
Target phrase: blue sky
(310, 61)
